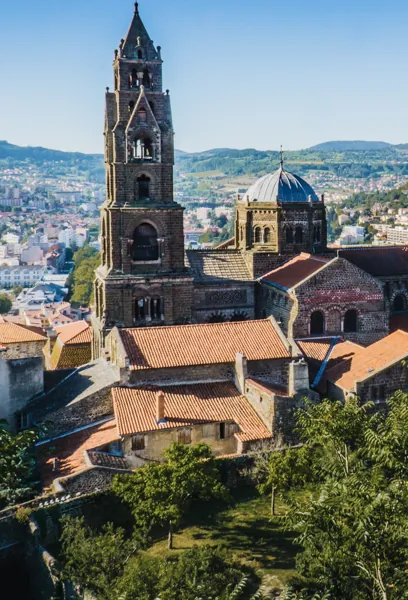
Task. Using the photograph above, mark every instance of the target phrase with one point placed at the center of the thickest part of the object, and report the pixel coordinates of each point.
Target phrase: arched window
(400, 303)
(289, 235)
(146, 78)
(139, 54)
(138, 149)
(155, 309)
(131, 107)
(142, 114)
(298, 235)
(145, 243)
(143, 184)
(267, 235)
(239, 315)
(257, 235)
(217, 318)
(316, 232)
(317, 323)
(140, 309)
(151, 104)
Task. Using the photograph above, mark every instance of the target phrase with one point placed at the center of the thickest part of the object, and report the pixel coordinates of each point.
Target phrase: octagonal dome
(280, 186)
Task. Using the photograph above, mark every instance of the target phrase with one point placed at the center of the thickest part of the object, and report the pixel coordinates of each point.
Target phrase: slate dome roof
(283, 186)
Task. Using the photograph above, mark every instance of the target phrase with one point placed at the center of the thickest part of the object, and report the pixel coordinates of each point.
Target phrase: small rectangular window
(138, 442)
(374, 393)
(184, 436)
(222, 431)
(381, 392)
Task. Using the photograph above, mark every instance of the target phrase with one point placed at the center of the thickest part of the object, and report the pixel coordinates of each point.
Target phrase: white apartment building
(397, 235)
(11, 238)
(18, 275)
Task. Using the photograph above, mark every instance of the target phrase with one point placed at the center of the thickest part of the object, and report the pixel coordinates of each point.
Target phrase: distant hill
(344, 146)
(38, 154)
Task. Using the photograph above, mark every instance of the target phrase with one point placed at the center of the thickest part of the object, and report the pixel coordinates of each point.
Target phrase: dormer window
(142, 115)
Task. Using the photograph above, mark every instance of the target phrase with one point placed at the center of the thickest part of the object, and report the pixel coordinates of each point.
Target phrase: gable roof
(378, 260)
(10, 333)
(75, 333)
(213, 265)
(295, 271)
(205, 344)
(355, 364)
(187, 405)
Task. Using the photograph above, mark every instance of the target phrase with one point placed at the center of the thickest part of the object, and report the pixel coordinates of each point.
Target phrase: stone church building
(146, 277)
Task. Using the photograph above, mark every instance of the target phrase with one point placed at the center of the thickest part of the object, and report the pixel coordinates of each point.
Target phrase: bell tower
(142, 279)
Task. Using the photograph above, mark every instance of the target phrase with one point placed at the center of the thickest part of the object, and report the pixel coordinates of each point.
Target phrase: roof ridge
(189, 325)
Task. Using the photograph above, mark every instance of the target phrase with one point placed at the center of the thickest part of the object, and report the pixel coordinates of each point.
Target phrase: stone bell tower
(142, 279)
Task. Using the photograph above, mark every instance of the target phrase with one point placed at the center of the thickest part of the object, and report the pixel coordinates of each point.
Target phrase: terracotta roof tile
(70, 450)
(75, 333)
(315, 349)
(357, 364)
(69, 356)
(296, 270)
(218, 264)
(212, 343)
(10, 333)
(383, 260)
(135, 409)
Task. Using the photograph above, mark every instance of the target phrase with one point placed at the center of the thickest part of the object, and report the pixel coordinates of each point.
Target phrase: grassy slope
(248, 531)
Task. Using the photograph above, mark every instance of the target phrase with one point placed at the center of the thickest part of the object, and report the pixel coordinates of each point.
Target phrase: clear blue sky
(254, 73)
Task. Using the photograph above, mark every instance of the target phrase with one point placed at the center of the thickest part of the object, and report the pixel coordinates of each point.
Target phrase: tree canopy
(5, 304)
(86, 260)
(160, 494)
(353, 524)
(17, 465)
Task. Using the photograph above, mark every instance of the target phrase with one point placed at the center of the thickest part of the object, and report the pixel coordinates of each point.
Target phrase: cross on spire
(281, 157)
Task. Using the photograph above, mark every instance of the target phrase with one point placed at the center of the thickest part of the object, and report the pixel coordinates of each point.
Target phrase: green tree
(5, 304)
(353, 529)
(95, 561)
(280, 470)
(17, 465)
(86, 260)
(161, 494)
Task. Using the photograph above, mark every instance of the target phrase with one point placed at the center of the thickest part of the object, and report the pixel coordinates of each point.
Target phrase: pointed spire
(281, 158)
(137, 38)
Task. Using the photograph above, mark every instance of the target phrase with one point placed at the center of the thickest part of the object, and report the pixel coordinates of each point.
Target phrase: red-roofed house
(372, 373)
(72, 347)
(313, 296)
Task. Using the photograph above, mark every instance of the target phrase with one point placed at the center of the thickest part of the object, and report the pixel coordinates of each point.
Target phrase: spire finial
(281, 157)
(137, 8)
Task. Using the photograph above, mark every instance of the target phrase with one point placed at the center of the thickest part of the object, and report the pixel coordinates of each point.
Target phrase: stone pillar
(298, 377)
(241, 372)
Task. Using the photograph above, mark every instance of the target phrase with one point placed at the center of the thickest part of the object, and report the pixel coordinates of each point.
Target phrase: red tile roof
(75, 333)
(187, 405)
(213, 343)
(70, 450)
(379, 260)
(10, 333)
(354, 363)
(315, 349)
(295, 271)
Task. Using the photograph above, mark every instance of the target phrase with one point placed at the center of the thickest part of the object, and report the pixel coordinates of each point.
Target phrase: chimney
(160, 416)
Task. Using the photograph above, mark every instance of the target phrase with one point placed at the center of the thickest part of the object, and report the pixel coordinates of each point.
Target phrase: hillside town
(201, 374)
